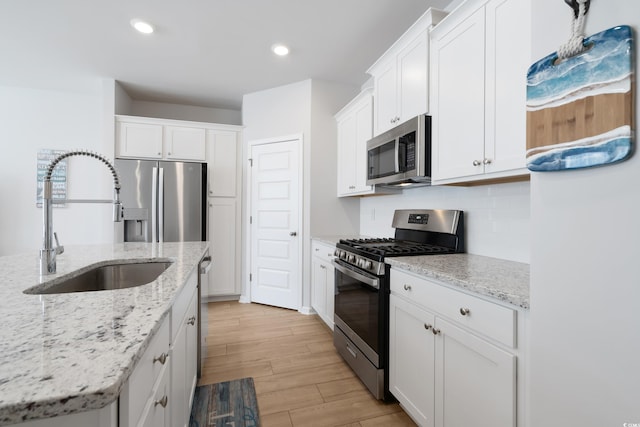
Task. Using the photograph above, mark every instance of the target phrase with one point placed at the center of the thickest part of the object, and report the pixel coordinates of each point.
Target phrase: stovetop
(378, 248)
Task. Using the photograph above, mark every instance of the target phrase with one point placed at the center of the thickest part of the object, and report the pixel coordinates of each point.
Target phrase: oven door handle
(373, 282)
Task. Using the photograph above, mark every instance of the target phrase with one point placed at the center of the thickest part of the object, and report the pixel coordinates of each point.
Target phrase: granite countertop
(67, 353)
(506, 281)
(332, 240)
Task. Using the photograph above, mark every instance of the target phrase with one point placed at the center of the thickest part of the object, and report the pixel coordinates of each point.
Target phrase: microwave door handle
(397, 160)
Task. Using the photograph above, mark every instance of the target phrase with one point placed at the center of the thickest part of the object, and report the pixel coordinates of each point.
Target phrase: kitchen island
(68, 353)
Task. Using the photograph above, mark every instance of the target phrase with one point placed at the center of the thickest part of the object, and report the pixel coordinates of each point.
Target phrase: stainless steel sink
(105, 277)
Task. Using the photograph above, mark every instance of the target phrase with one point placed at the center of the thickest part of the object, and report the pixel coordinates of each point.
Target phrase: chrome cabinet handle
(464, 311)
(293, 234)
(192, 320)
(162, 402)
(487, 161)
(353, 353)
(323, 266)
(427, 327)
(407, 287)
(435, 331)
(477, 163)
(162, 358)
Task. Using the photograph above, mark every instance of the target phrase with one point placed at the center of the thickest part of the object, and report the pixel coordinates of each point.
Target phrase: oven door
(358, 309)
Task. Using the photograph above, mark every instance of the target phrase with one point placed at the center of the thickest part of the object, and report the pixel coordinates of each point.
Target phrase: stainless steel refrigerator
(163, 201)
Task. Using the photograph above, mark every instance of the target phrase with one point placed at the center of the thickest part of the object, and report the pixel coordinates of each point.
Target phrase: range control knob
(368, 265)
(352, 258)
(336, 253)
(343, 255)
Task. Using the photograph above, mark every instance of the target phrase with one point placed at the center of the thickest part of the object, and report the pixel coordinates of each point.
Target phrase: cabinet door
(319, 286)
(178, 393)
(191, 353)
(458, 98)
(386, 101)
(412, 79)
(139, 140)
(224, 246)
(508, 58)
(347, 134)
(411, 359)
(475, 380)
(364, 132)
(184, 143)
(156, 414)
(222, 158)
(330, 295)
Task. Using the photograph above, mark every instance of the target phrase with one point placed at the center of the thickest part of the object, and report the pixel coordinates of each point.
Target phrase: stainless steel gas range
(361, 333)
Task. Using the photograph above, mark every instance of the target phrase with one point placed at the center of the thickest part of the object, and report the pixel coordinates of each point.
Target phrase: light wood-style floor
(300, 379)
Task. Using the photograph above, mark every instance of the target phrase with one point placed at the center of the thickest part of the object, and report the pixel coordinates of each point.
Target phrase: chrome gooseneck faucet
(48, 252)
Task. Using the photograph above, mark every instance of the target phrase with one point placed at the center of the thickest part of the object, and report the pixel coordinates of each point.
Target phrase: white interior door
(275, 224)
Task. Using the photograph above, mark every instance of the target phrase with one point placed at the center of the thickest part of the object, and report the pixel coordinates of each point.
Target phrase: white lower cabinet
(144, 397)
(445, 371)
(183, 356)
(224, 236)
(322, 281)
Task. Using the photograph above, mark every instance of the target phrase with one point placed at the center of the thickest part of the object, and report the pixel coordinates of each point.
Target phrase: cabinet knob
(435, 331)
(293, 234)
(162, 358)
(162, 402)
(407, 287)
(477, 163)
(427, 326)
(487, 161)
(192, 320)
(464, 311)
(323, 266)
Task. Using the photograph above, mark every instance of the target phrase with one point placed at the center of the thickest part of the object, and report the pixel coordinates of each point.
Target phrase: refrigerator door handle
(161, 206)
(154, 204)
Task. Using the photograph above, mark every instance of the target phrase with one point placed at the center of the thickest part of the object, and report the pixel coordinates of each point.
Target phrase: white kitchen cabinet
(401, 76)
(412, 359)
(224, 236)
(141, 137)
(355, 127)
(183, 354)
(452, 356)
(184, 143)
(144, 397)
(322, 281)
(222, 160)
(479, 59)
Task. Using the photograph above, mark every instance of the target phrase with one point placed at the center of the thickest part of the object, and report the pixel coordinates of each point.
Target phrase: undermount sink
(105, 277)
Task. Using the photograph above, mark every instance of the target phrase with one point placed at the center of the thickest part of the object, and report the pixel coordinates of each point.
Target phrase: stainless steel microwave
(402, 155)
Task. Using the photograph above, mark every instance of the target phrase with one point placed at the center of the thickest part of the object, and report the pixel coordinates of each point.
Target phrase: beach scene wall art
(580, 110)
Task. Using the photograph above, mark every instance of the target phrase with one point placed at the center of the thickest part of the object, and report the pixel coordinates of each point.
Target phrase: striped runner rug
(230, 403)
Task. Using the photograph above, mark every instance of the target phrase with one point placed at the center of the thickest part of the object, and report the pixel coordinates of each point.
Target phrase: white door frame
(245, 297)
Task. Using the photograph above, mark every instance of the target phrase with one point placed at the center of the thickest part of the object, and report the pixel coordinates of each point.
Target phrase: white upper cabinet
(479, 59)
(184, 143)
(141, 137)
(222, 158)
(401, 76)
(139, 140)
(354, 130)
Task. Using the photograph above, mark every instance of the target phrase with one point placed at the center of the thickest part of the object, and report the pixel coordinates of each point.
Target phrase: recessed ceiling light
(141, 26)
(280, 49)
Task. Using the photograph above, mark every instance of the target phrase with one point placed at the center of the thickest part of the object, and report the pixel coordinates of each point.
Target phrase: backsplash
(497, 216)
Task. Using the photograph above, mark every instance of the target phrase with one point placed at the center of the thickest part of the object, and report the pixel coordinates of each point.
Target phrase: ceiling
(204, 52)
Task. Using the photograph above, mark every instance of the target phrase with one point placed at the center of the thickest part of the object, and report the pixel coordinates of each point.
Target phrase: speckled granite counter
(506, 281)
(332, 240)
(66, 353)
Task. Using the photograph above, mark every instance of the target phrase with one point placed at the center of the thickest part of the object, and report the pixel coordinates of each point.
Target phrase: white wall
(497, 216)
(585, 274)
(164, 110)
(31, 119)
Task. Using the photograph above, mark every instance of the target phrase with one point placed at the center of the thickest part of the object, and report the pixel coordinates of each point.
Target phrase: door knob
(293, 233)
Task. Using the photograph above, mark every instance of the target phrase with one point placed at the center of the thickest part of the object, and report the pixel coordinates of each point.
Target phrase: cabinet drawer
(181, 304)
(492, 320)
(322, 250)
(149, 368)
